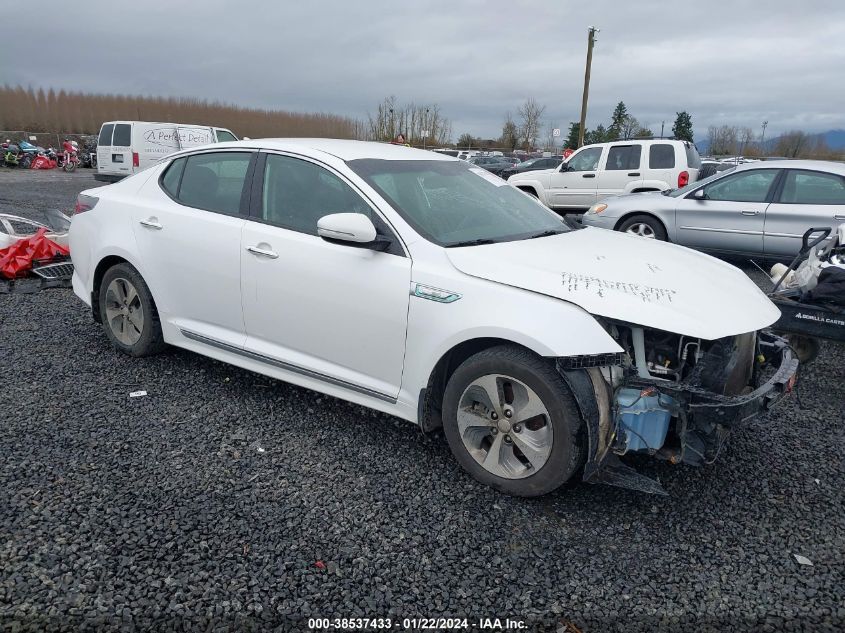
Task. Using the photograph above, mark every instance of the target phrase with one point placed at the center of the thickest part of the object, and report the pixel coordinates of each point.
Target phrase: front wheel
(644, 226)
(512, 422)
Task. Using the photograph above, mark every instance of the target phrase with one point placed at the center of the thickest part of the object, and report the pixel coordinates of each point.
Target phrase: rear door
(115, 156)
(573, 185)
(622, 165)
(805, 199)
(188, 225)
(730, 218)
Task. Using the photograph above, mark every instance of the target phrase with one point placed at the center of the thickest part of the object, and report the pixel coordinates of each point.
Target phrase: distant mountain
(835, 140)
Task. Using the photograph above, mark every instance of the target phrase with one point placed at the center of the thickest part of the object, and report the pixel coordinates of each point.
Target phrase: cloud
(738, 63)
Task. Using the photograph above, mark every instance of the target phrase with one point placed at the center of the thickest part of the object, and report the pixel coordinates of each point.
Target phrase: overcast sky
(739, 62)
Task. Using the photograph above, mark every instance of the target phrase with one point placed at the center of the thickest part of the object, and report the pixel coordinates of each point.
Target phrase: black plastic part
(809, 320)
(585, 397)
(614, 473)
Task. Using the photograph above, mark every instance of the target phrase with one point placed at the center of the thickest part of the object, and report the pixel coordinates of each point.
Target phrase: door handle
(839, 217)
(151, 224)
(262, 252)
(634, 173)
(588, 176)
(749, 212)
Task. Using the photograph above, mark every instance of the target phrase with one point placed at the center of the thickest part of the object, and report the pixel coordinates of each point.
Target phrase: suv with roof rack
(600, 170)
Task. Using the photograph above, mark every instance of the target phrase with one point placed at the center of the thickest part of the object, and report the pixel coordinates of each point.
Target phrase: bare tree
(722, 139)
(510, 133)
(792, 144)
(530, 114)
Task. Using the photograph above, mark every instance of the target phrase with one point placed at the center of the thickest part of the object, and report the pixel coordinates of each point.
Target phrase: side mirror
(699, 194)
(564, 167)
(352, 229)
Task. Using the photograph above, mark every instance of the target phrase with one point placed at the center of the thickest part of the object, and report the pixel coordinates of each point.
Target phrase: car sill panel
(267, 360)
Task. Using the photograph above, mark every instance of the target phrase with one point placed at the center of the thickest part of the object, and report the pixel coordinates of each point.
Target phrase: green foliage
(572, 136)
(599, 135)
(617, 122)
(682, 128)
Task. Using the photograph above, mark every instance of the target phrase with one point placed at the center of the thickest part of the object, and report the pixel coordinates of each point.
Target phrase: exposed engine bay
(674, 397)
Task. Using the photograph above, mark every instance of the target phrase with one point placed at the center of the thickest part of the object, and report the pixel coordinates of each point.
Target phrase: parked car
(597, 171)
(760, 208)
(532, 164)
(495, 164)
(127, 147)
(426, 288)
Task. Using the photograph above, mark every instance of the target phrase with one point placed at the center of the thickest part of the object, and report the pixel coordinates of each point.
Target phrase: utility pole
(591, 40)
(763, 138)
(662, 123)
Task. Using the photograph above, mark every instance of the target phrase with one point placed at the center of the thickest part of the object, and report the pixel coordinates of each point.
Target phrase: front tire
(644, 226)
(128, 312)
(512, 422)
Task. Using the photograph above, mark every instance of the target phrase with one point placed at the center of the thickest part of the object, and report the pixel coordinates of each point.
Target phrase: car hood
(536, 172)
(625, 277)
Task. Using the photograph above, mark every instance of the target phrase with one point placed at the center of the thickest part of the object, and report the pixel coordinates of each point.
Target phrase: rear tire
(129, 315)
(644, 226)
(537, 444)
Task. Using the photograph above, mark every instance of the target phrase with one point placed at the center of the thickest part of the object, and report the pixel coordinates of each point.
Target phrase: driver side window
(585, 160)
(749, 186)
(297, 193)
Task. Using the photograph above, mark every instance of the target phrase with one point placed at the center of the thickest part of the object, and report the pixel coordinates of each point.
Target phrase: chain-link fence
(45, 139)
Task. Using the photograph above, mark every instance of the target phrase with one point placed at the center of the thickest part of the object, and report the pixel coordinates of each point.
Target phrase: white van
(127, 147)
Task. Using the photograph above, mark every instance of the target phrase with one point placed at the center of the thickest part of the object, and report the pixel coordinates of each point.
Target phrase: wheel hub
(504, 425)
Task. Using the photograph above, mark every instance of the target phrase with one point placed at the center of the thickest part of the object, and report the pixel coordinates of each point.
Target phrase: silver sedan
(760, 209)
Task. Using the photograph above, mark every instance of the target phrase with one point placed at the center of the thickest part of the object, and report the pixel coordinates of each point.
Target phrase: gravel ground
(224, 499)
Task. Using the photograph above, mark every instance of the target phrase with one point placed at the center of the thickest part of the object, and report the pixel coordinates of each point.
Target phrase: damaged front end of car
(675, 397)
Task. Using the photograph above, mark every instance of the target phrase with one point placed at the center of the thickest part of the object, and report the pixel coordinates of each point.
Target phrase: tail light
(683, 179)
(136, 162)
(84, 203)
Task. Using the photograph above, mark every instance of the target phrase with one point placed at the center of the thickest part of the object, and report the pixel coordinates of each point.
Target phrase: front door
(806, 199)
(329, 311)
(573, 185)
(188, 230)
(731, 215)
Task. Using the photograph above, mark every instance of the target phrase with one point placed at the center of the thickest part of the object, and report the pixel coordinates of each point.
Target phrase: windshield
(452, 203)
(677, 193)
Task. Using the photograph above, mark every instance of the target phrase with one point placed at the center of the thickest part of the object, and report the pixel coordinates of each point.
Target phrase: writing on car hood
(625, 277)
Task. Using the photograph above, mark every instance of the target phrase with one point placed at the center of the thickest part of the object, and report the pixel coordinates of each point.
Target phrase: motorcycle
(68, 161)
(14, 157)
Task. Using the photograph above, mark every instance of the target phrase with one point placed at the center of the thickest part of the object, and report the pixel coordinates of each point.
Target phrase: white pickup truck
(597, 171)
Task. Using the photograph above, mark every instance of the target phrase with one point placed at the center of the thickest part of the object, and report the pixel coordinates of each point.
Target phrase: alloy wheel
(124, 311)
(505, 426)
(642, 229)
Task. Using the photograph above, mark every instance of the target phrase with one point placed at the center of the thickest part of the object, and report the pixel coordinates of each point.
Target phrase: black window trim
(785, 173)
(774, 188)
(246, 191)
(257, 194)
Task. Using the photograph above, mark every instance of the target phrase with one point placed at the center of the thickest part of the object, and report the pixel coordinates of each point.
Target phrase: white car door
(330, 311)
(620, 167)
(573, 185)
(188, 226)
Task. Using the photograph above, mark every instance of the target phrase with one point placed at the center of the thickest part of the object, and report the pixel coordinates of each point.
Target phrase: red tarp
(16, 260)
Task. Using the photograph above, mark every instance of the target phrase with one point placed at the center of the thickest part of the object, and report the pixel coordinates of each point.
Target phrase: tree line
(732, 140)
(83, 113)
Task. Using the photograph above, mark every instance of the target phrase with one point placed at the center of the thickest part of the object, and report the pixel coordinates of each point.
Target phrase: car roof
(813, 165)
(340, 148)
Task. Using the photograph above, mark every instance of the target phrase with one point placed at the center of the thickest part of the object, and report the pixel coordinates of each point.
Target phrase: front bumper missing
(699, 411)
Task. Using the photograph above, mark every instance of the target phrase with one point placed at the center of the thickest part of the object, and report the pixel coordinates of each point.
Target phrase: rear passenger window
(214, 182)
(171, 178)
(623, 157)
(105, 134)
(812, 187)
(122, 135)
(661, 156)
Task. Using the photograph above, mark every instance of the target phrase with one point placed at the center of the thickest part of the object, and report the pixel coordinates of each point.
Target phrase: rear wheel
(128, 312)
(644, 226)
(512, 422)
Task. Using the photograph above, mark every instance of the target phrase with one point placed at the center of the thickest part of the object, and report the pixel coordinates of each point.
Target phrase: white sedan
(422, 286)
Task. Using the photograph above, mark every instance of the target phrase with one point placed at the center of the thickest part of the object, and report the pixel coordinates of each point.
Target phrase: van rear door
(119, 157)
(104, 148)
